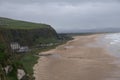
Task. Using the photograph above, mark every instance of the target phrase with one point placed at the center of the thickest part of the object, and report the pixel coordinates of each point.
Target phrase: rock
(20, 74)
(8, 69)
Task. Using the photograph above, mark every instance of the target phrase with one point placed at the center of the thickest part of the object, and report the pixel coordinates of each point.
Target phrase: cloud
(65, 15)
(56, 1)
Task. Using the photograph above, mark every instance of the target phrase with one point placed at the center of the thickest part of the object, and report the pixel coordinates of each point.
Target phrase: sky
(65, 15)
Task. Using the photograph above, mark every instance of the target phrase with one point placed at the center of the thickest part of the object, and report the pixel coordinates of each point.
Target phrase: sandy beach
(80, 59)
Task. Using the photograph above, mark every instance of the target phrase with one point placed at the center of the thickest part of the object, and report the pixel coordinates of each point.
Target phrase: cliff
(26, 33)
(13, 32)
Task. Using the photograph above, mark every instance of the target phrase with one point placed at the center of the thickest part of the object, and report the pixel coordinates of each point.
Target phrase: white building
(15, 46)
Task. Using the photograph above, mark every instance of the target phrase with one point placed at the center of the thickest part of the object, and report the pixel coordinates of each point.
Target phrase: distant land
(97, 30)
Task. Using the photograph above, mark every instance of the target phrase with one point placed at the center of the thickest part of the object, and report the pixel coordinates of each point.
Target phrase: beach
(83, 58)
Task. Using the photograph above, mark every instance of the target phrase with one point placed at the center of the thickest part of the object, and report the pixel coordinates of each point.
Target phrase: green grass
(28, 61)
(12, 75)
(17, 24)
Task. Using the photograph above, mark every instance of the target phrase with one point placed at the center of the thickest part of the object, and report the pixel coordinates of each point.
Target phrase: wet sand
(80, 59)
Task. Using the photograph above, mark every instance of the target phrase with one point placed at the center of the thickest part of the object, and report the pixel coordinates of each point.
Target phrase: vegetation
(2, 52)
(28, 61)
(17, 24)
(26, 33)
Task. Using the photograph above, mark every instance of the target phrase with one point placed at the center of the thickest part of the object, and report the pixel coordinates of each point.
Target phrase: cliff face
(29, 37)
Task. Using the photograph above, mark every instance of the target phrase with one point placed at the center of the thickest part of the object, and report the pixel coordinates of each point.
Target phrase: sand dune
(79, 59)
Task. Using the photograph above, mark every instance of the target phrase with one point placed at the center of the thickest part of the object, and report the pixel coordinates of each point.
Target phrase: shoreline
(75, 60)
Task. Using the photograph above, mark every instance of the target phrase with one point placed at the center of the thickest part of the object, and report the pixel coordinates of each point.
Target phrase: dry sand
(79, 59)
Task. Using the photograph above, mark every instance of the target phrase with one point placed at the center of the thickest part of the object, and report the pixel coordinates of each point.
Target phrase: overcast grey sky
(65, 15)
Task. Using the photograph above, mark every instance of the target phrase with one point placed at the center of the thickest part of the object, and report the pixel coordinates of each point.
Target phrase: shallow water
(112, 42)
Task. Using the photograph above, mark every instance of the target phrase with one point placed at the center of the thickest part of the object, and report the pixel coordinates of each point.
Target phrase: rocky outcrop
(20, 74)
(8, 69)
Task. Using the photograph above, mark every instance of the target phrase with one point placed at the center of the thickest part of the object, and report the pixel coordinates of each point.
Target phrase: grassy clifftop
(17, 24)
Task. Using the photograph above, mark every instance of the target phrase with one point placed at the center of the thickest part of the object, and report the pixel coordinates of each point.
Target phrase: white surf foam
(113, 43)
(113, 38)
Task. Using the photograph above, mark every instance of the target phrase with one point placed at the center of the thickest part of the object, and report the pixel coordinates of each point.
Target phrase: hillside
(17, 37)
(17, 24)
(26, 33)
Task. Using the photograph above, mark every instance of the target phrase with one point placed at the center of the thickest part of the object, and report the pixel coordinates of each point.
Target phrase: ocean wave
(113, 43)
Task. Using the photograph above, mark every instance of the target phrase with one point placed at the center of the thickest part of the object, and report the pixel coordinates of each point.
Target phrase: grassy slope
(17, 24)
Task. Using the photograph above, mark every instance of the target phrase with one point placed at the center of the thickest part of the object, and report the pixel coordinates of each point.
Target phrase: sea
(112, 42)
